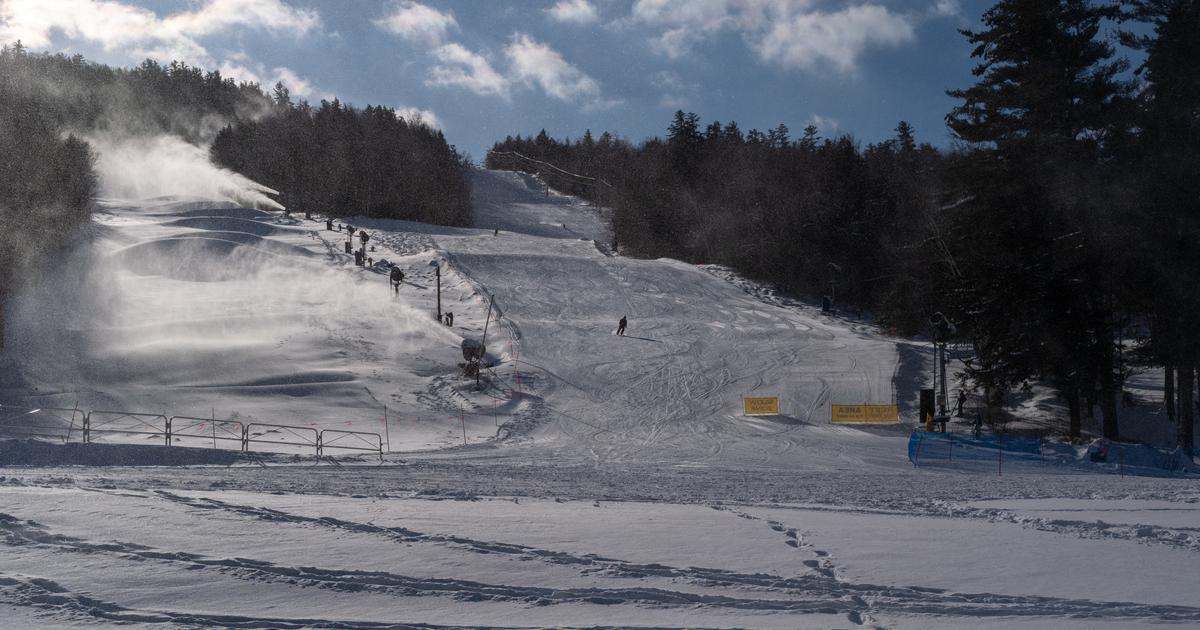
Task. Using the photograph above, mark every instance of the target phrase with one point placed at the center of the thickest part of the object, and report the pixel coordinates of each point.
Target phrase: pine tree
(1165, 154)
(778, 137)
(809, 140)
(1033, 290)
(904, 137)
(683, 139)
(280, 95)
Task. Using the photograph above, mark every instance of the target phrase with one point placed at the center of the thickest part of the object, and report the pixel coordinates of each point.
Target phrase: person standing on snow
(621, 326)
(397, 277)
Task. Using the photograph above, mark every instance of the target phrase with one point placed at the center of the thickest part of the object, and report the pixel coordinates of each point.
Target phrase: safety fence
(44, 422)
(937, 449)
(926, 448)
(87, 427)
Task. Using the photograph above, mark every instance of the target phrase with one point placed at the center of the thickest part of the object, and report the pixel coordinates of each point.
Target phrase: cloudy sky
(483, 69)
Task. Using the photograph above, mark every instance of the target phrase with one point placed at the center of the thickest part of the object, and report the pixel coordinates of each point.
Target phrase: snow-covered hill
(201, 309)
(605, 481)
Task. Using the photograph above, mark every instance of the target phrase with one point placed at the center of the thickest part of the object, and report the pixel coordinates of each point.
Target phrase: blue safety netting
(924, 446)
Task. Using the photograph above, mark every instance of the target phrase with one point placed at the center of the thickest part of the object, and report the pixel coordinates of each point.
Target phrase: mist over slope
(72, 130)
(206, 309)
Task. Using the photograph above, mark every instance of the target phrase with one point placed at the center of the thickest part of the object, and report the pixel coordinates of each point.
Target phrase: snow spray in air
(142, 167)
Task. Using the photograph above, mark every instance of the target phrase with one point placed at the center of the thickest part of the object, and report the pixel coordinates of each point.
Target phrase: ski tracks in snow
(819, 589)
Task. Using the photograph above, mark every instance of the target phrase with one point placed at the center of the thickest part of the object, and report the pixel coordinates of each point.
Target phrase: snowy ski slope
(606, 482)
(207, 310)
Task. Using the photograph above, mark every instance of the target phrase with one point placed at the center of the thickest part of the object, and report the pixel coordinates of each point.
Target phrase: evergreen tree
(1037, 119)
(904, 137)
(809, 140)
(1164, 156)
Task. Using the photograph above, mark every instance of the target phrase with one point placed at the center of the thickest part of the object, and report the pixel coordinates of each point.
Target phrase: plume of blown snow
(142, 167)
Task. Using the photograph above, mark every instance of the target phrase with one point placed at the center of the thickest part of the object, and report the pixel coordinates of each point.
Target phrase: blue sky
(481, 70)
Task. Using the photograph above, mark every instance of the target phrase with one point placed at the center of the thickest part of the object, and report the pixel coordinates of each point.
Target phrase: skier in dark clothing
(962, 400)
(449, 318)
(621, 326)
(397, 277)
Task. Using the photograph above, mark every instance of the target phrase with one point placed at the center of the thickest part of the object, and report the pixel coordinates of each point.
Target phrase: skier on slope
(621, 326)
(397, 277)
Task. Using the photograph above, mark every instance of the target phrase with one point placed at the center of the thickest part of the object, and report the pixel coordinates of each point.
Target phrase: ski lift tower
(942, 330)
(364, 237)
(474, 350)
(437, 268)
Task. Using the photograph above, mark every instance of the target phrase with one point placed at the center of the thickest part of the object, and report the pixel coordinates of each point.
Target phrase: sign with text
(864, 414)
(760, 405)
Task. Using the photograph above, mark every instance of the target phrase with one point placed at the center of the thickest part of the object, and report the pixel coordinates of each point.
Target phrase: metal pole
(438, 271)
(71, 426)
(945, 391)
(214, 426)
(487, 319)
(385, 429)
(463, 418)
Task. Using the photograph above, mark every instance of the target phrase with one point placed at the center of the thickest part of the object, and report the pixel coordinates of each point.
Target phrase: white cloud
(241, 69)
(602, 104)
(219, 15)
(677, 93)
(418, 23)
(141, 33)
(811, 40)
(574, 12)
(686, 22)
(536, 63)
(413, 115)
(824, 124)
(115, 25)
(946, 8)
(530, 64)
(297, 85)
(460, 67)
(789, 33)
(667, 80)
(238, 71)
(673, 101)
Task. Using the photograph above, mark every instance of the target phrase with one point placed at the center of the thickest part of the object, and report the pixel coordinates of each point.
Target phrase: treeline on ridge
(334, 157)
(1060, 232)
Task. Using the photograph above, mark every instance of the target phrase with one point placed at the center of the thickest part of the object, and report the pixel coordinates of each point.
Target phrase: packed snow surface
(591, 480)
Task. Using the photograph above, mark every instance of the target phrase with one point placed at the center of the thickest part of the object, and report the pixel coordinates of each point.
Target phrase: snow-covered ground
(604, 481)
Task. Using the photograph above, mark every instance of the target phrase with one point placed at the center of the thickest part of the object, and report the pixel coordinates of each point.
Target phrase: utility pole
(942, 330)
(486, 320)
(437, 268)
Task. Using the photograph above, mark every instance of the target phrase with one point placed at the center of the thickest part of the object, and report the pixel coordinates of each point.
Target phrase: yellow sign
(760, 406)
(864, 414)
